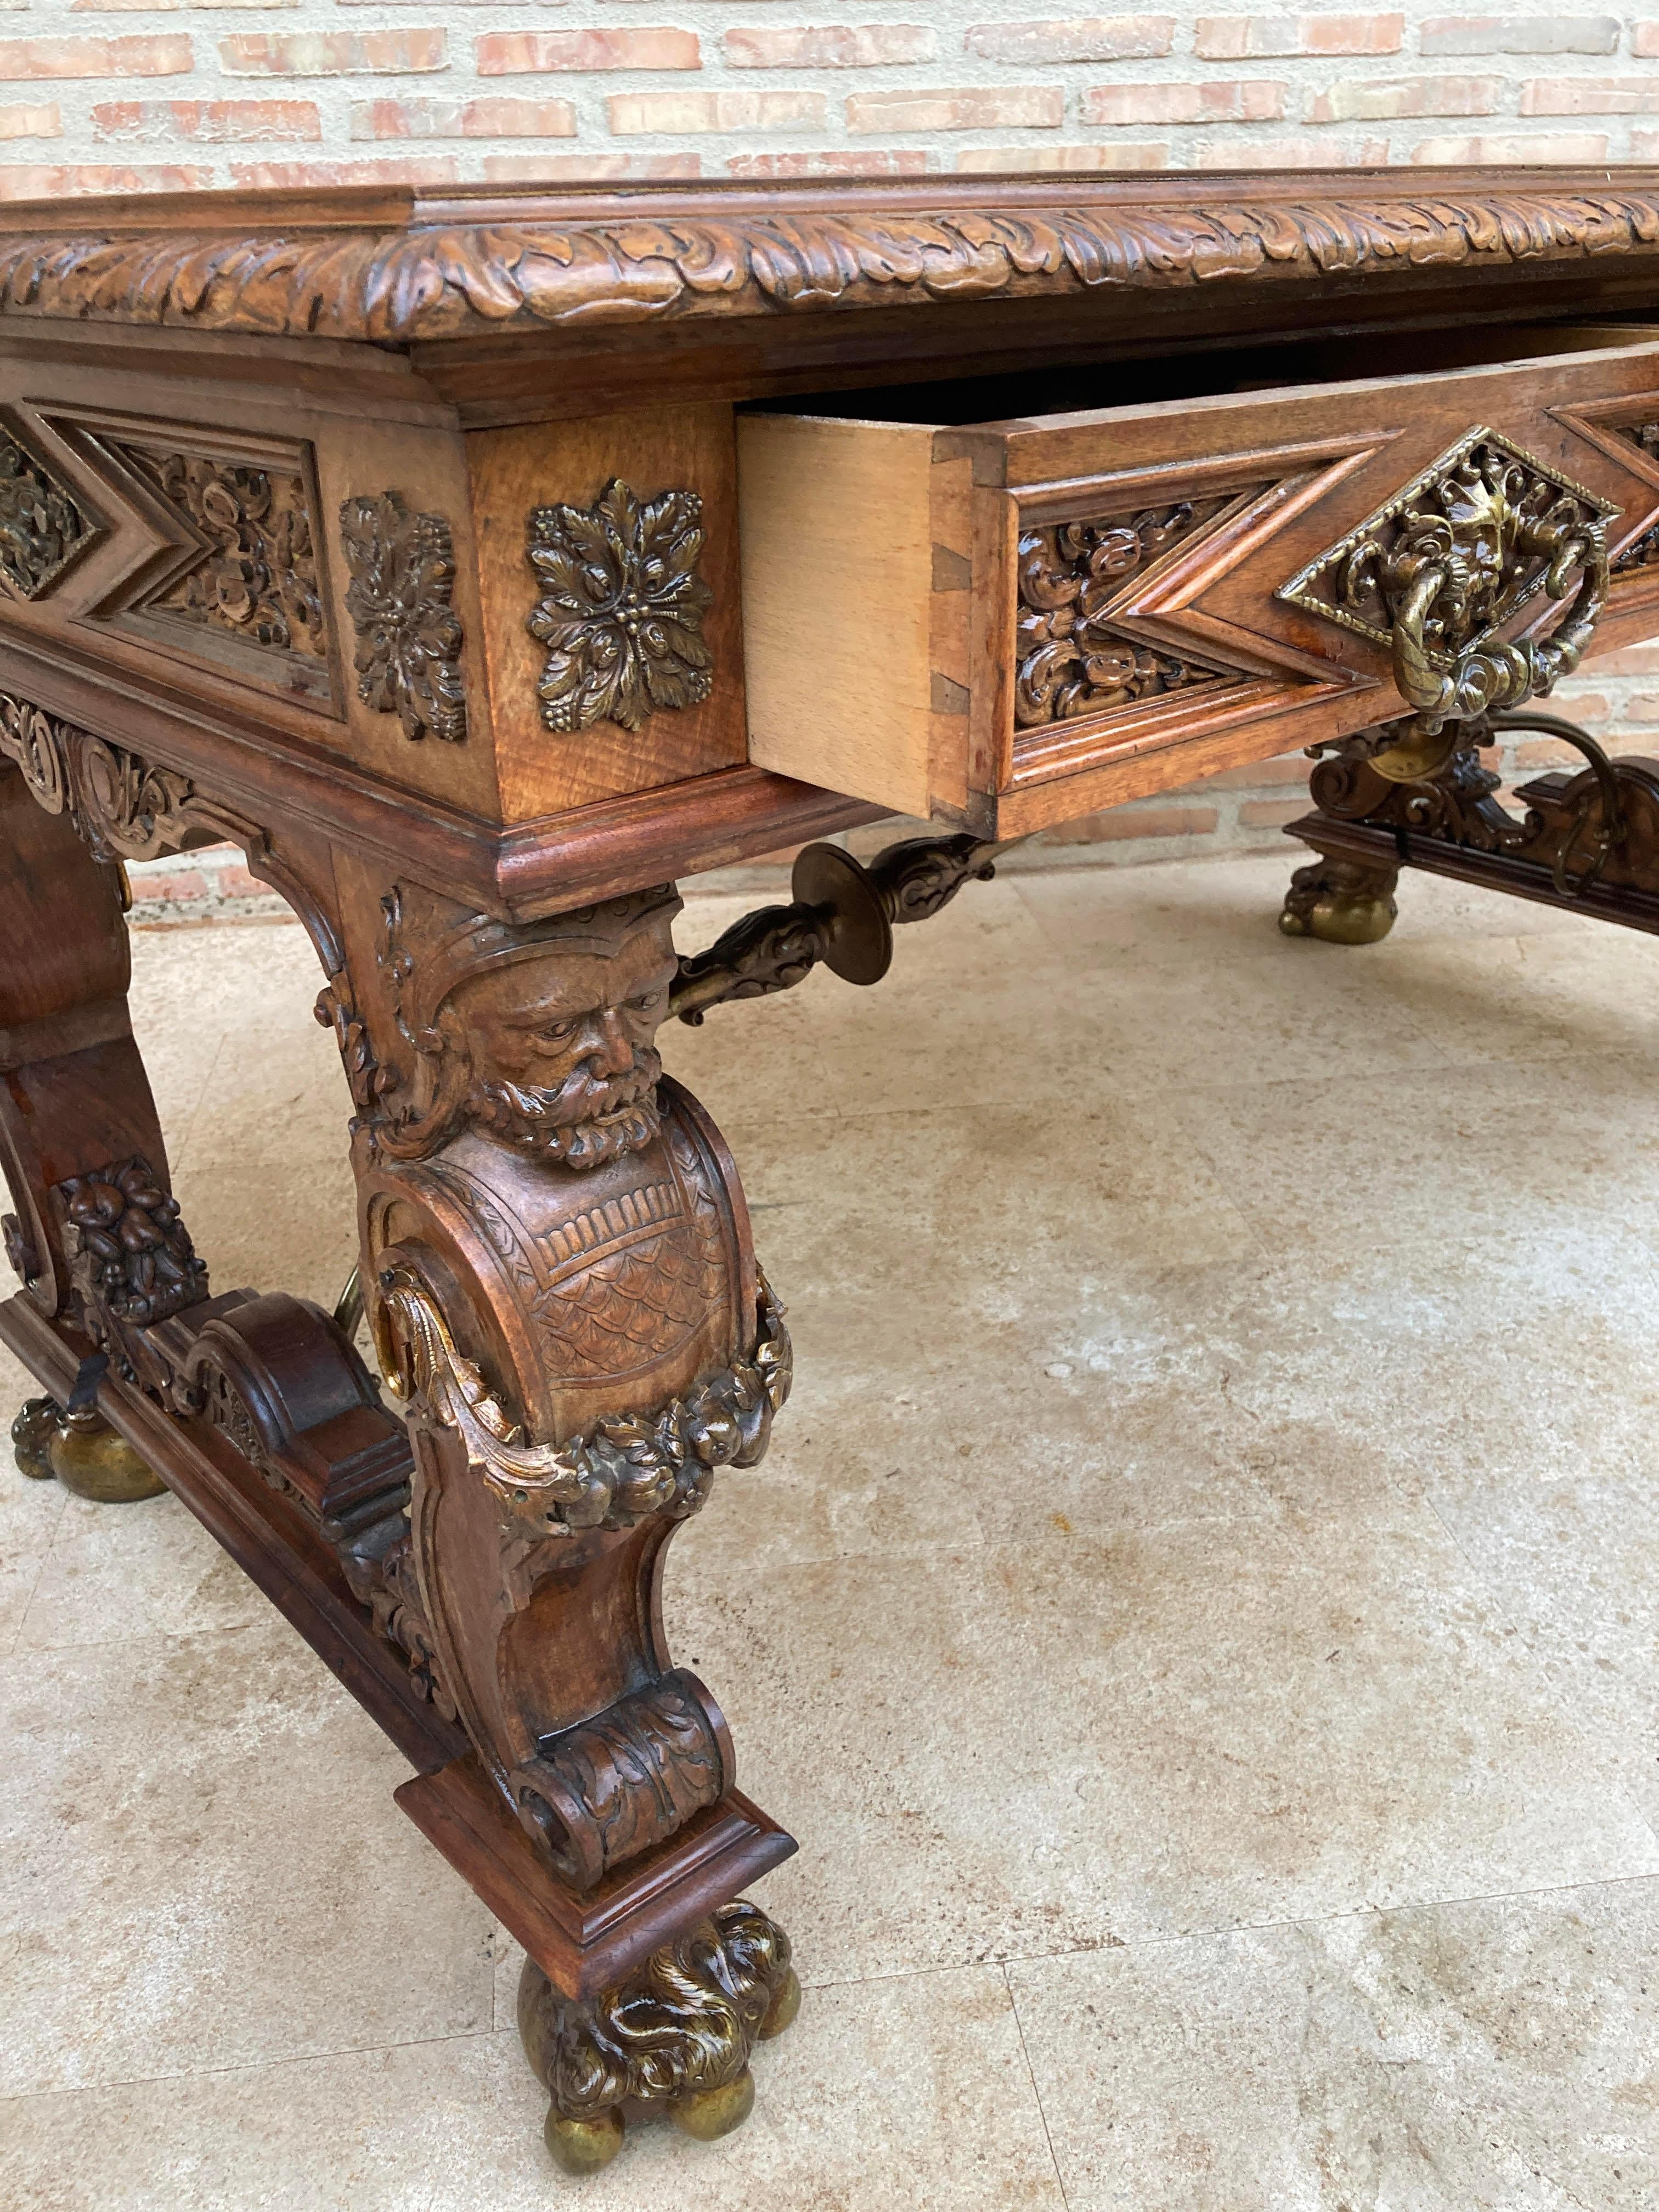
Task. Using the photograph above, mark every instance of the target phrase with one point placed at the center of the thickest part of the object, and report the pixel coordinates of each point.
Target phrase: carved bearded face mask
(538, 1034)
(560, 1048)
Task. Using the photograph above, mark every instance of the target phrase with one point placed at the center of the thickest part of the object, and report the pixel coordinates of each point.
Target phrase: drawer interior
(1180, 378)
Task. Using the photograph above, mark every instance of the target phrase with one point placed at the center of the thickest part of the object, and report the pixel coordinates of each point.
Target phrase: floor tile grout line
(1036, 2093)
(256, 2065)
(1001, 1966)
(1215, 1933)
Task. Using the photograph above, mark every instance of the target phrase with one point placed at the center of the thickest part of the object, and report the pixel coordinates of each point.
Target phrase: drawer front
(1015, 623)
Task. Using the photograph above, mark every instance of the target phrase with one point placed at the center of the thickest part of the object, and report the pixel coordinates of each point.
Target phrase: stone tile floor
(1199, 1613)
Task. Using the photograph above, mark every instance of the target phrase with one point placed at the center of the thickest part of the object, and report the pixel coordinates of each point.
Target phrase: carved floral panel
(253, 577)
(42, 530)
(622, 608)
(1071, 657)
(409, 635)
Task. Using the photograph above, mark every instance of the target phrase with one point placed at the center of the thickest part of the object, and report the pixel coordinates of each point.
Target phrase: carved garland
(440, 280)
(129, 1253)
(628, 1465)
(257, 575)
(1071, 660)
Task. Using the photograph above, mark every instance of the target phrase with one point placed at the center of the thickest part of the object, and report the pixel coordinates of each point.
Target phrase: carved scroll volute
(564, 1293)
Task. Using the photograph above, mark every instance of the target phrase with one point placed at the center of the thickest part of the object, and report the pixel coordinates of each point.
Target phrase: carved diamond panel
(1642, 552)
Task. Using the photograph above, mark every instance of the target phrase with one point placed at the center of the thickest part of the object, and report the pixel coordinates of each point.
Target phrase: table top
(412, 265)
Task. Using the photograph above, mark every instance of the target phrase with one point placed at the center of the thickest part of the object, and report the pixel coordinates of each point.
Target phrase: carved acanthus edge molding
(745, 258)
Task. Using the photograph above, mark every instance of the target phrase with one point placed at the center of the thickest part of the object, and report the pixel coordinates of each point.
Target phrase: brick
(1387, 97)
(591, 168)
(42, 181)
(1591, 95)
(1645, 708)
(1311, 149)
(1269, 813)
(280, 176)
(1644, 145)
(1116, 823)
(163, 55)
(1241, 102)
(31, 122)
(1004, 160)
(231, 879)
(1011, 107)
(1286, 768)
(158, 7)
(1080, 38)
(515, 53)
(635, 115)
(1644, 40)
(229, 122)
(1250, 38)
(1519, 35)
(332, 53)
(1521, 146)
(1629, 660)
(180, 888)
(850, 161)
(835, 46)
(463, 118)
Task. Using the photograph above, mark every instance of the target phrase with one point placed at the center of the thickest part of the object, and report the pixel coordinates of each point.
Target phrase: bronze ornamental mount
(1436, 573)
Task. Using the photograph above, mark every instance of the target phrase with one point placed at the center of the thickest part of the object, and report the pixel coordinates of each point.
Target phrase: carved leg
(556, 1266)
(74, 1097)
(1341, 902)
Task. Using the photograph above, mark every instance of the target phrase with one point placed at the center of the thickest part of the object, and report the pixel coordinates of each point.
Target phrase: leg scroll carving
(678, 2036)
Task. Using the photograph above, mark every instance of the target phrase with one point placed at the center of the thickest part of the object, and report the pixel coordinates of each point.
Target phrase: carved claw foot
(678, 2035)
(30, 1439)
(89, 1458)
(1341, 902)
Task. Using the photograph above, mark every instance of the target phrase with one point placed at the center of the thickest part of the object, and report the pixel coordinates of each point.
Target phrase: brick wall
(100, 96)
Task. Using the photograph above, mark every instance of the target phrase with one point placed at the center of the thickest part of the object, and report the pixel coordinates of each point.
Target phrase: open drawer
(1009, 622)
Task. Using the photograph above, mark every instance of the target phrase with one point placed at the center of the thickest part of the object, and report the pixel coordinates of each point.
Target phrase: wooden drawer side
(837, 576)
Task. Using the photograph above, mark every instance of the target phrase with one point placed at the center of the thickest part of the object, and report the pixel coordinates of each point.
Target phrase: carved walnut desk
(480, 564)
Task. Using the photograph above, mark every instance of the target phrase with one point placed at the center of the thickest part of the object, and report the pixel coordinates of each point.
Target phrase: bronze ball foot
(90, 1459)
(1341, 902)
(785, 2004)
(673, 2038)
(708, 2114)
(30, 1439)
(584, 2146)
